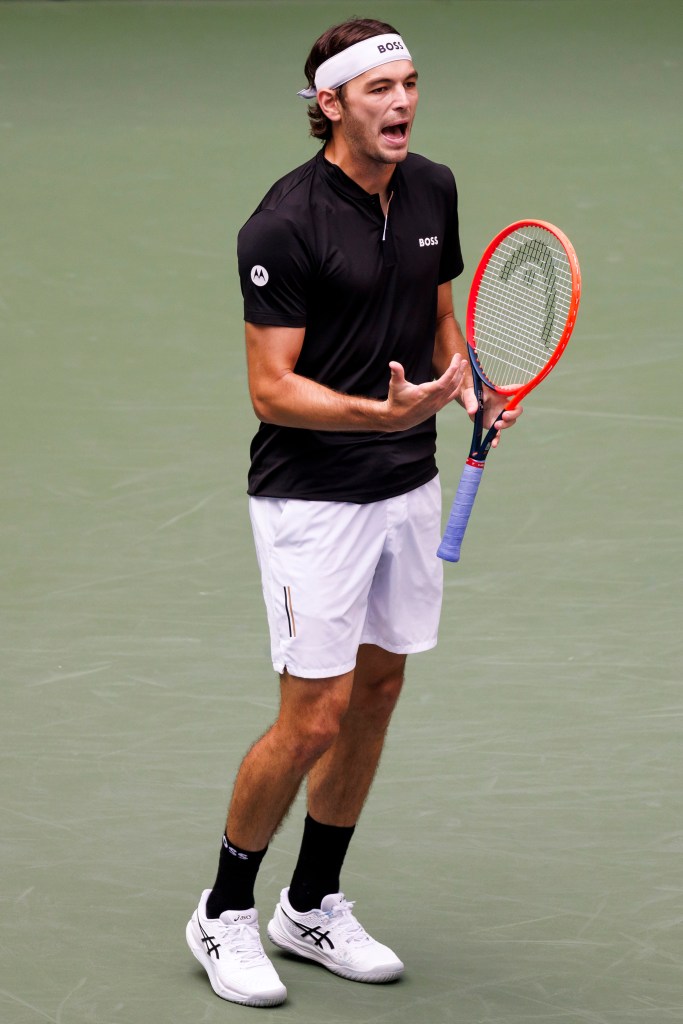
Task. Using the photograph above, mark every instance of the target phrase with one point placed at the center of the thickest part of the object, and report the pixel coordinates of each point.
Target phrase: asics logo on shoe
(209, 941)
(316, 934)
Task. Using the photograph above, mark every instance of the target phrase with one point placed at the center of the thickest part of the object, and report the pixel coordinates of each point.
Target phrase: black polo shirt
(319, 253)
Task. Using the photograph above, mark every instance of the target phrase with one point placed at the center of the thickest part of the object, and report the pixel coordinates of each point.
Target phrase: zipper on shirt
(389, 257)
(386, 218)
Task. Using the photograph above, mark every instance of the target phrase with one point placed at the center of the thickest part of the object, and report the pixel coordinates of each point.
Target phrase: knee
(308, 743)
(309, 736)
(379, 698)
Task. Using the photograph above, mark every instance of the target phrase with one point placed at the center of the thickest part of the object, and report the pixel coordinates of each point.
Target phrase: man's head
(332, 76)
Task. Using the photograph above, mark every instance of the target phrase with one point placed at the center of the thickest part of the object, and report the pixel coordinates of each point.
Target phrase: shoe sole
(283, 940)
(274, 998)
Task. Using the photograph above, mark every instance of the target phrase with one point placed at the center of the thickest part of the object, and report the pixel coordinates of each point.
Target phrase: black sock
(234, 885)
(316, 875)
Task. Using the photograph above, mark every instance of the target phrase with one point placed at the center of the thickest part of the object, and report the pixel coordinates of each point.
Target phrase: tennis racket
(520, 315)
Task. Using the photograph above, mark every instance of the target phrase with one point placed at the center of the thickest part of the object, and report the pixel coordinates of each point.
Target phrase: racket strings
(522, 306)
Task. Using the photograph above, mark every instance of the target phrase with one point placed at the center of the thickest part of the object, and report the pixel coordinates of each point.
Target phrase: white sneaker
(334, 938)
(229, 949)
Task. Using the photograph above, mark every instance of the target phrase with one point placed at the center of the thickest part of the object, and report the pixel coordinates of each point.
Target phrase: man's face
(377, 111)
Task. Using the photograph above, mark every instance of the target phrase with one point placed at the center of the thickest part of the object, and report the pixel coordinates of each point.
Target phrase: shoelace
(351, 930)
(245, 942)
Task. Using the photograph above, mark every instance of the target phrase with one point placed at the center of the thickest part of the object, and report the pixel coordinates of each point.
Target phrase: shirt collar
(346, 186)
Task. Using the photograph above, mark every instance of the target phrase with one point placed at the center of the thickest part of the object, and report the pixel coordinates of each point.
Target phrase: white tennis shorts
(337, 574)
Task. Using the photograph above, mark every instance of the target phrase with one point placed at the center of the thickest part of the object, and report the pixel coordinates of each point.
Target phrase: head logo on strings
(538, 253)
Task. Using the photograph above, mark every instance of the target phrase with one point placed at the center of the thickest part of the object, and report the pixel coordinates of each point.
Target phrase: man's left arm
(449, 341)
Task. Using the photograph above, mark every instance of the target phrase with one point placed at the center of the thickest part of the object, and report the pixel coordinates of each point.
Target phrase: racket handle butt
(449, 549)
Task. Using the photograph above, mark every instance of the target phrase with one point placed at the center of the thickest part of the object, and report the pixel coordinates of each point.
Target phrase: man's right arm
(281, 396)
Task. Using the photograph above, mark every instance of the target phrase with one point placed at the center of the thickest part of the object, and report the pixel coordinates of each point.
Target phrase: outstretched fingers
(409, 404)
(451, 380)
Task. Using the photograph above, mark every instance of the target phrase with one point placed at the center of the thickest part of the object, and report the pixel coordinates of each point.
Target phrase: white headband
(356, 60)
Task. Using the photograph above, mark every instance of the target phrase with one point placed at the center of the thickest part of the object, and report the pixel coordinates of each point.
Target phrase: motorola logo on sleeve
(259, 276)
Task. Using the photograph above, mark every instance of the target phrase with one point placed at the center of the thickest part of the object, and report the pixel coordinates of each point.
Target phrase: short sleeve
(451, 265)
(275, 271)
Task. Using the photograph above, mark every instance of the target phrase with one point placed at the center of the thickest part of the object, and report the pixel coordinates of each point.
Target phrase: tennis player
(352, 349)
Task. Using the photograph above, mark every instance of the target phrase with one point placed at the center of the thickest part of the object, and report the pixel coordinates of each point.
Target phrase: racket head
(522, 306)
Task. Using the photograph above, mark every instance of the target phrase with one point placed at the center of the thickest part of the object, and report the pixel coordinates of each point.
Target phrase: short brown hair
(331, 42)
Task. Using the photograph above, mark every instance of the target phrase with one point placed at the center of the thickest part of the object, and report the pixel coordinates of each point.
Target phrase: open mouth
(397, 132)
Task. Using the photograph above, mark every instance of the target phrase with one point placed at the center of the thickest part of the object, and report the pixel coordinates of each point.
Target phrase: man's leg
(269, 778)
(339, 781)
(313, 919)
(223, 932)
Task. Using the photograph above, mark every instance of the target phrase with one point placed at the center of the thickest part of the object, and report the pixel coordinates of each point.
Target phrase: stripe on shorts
(290, 611)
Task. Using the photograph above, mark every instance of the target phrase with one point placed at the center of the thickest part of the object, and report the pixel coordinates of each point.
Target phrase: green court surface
(522, 849)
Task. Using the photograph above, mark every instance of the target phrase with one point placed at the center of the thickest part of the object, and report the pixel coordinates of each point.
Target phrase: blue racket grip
(449, 549)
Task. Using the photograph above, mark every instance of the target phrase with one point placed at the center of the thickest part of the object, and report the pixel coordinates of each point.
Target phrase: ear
(328, 101)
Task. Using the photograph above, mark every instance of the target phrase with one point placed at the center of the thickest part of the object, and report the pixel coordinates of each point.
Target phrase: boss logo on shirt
(433, 240)
(259, 276)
